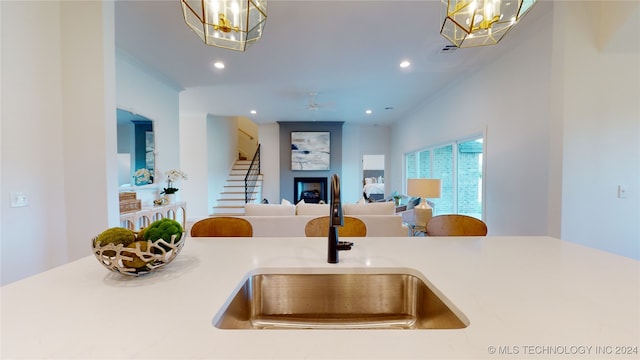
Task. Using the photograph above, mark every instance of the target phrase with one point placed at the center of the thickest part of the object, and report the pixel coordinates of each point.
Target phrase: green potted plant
(396, 198)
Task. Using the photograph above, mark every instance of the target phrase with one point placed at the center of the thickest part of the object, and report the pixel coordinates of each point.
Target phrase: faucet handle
(345, 245)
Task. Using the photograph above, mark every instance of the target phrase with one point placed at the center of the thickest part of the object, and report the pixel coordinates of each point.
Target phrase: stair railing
(253, 173)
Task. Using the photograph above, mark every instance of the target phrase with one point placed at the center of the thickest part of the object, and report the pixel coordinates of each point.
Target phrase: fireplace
(310, 189)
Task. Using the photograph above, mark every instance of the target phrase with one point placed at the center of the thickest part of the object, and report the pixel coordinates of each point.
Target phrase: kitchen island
(524, 298)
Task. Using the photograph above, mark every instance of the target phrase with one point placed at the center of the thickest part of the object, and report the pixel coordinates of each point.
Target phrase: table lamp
(423, 188)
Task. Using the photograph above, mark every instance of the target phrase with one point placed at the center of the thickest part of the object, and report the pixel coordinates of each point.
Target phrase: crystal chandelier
(469, 23)
(229, 24)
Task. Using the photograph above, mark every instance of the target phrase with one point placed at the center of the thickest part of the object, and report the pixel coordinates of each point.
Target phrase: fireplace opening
(310, 189)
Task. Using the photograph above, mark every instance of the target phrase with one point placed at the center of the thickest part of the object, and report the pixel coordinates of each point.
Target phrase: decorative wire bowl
(138, 260)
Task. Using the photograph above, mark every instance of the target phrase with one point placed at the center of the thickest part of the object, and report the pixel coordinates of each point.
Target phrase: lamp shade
(423, 188)
(468, 23)
(229, 24)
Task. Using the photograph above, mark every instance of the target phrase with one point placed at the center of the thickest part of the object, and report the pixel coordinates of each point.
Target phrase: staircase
(231, 200)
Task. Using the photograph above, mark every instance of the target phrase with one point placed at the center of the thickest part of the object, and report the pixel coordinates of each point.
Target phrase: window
(458, 165)
(443, 170)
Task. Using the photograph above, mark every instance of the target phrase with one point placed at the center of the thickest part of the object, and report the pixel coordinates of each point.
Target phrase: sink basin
(309, 300)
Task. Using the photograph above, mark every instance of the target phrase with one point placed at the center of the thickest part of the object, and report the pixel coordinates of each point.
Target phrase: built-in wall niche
(310, 189)
(136, 147)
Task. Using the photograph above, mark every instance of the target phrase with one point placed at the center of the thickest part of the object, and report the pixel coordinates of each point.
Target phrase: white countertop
(525, 297)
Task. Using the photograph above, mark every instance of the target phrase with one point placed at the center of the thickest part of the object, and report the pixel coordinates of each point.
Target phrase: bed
(373, 187)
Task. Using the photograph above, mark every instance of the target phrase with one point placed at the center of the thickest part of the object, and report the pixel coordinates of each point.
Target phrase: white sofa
(287, 220)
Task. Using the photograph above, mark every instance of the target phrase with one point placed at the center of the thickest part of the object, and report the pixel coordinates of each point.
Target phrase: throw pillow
(312, 209)
(413, 202)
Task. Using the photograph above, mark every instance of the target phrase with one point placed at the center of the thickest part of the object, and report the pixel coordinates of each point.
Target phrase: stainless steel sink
(373, 300)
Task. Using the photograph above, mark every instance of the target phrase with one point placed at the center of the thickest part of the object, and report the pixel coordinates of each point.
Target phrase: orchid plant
(173, 176)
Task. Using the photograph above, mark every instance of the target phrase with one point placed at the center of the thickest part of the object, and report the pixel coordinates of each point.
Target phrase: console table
(137, 220)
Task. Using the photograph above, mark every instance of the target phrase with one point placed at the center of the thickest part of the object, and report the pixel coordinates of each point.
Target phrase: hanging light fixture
(229, 24)
(469, 23)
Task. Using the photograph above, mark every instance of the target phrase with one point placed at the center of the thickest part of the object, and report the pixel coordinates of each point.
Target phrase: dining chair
(456, 225)
(222, 226)
(320, 227)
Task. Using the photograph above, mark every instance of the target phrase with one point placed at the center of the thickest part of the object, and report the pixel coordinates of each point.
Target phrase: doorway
(373, 177)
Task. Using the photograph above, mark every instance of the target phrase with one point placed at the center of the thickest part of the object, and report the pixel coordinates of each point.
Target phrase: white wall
(269, 138)
(27, 155)
(509, 99)
(89, 114)
(601, 119)
(208, 146)
(193, 147)
(372, 162)
(58, 100)
(222, 152)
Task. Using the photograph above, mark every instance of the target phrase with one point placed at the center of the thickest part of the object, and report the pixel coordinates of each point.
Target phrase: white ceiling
(348, 52)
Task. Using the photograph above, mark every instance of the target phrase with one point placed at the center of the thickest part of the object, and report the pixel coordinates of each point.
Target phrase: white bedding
(376, 188)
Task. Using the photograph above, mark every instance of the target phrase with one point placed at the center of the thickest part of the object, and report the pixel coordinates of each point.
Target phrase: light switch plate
(622, 192)
(19, 199)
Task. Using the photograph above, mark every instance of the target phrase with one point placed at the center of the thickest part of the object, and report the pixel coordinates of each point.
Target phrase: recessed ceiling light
(219, 65)
(253, 112)
(405, 64)
(368, 112)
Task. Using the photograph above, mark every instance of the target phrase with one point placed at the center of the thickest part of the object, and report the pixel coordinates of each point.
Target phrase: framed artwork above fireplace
(310, 150)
